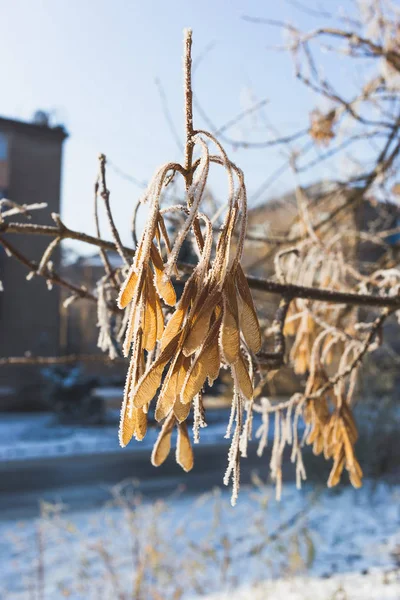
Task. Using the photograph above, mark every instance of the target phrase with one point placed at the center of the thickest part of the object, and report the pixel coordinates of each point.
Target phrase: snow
(36, 436)
(316, 544)
(377, 585)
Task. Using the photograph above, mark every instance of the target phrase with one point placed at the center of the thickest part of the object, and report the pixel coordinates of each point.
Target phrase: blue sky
(94, 64)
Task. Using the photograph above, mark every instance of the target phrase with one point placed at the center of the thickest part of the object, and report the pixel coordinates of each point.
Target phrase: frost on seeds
(210, 325)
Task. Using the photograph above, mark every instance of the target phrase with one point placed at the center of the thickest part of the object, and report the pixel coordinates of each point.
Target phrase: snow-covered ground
(376, 585)
(36, 436)
(316, 544)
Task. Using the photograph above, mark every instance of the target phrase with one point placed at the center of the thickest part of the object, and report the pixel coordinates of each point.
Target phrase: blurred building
(79, 331)
(30, 172)
(279, 218)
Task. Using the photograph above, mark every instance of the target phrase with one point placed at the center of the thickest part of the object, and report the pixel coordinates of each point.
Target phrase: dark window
(3, 147)
(4, 166)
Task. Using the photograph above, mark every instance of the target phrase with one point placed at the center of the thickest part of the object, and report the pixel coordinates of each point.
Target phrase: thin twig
(59, 360)
(275, 359)
(189, 142)
(167, 114)
(105, 194)
(102, 252)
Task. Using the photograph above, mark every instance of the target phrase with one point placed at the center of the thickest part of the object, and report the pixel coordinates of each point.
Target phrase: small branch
(275, 359)
(280, 141)
(21, 209)
(279, 324)
(50, 276)
(126, 176)
(167, 115)
(105, 194)
(321, 294)
(187, 66)
(58, 360)
(47, 255)
(245, 113)
(277, 262)
(263, 285)
(102, 252)
(375, 327)
(134, 223)
(63, 233)
(189, 144)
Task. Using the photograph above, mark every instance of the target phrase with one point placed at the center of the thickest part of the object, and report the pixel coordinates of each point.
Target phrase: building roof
(33, 128)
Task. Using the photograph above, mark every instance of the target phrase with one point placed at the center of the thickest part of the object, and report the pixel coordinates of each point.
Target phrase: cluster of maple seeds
(333, 432)
(304, 322)
(213, 324)
(330, 425)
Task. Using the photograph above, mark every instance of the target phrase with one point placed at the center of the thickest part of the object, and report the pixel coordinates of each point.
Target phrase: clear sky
(94, 64)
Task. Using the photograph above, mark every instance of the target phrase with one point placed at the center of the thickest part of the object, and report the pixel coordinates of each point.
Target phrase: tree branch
(58, 360)
(264, 285)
